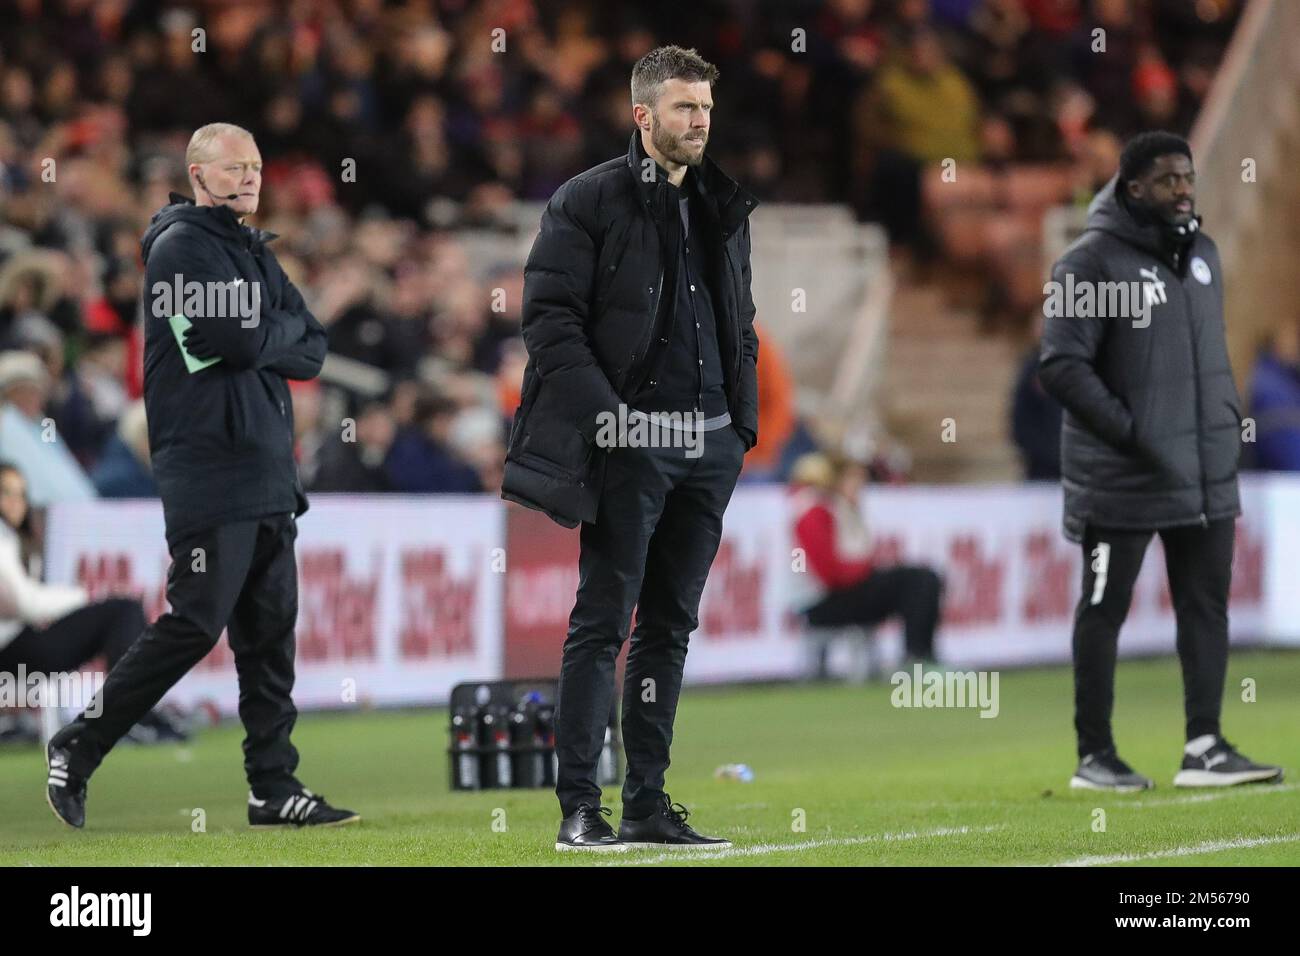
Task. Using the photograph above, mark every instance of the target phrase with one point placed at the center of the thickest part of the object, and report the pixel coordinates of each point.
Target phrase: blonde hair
(200, 149)
(823, 469)
(815, 469)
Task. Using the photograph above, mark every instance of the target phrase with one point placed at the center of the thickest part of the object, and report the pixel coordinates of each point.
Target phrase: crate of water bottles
(503, 736)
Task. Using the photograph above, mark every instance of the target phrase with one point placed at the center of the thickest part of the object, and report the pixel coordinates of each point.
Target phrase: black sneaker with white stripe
(1105, 771)
(65, 792)
(1222, 766)
(301, 809)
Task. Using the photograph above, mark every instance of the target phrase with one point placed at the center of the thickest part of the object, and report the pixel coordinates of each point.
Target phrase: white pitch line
(1240, 791)
(1210, 846)
(764, 849)
(1256, 790)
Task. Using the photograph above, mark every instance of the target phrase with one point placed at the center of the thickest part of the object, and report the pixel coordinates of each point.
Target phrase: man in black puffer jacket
(221, 441)
(600, 290)
(1135, 351)
(637, 309)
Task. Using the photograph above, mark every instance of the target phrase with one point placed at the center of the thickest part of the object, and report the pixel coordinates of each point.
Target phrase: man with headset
(225, 330)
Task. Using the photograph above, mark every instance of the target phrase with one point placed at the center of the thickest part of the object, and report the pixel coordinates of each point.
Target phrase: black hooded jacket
(1152, 427)
(221, 439)
(598, 320)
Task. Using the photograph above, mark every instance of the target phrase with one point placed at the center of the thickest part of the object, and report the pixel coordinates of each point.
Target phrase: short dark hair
(1143, 150)
(432, 406)
(668, 63)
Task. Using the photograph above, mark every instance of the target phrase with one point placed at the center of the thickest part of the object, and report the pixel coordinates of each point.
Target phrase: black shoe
(1222, 766)
(667, 828)
(585, 829)
(65, 792)
(301, 809)
(1105, 771)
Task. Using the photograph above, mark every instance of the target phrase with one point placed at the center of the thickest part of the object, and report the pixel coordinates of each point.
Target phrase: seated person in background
(1275, 401)
(123, 470)
(27, 433)
(56, 628)
(842, 586)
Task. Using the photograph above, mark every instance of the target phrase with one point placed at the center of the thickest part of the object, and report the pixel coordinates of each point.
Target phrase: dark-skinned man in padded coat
(1134, 349)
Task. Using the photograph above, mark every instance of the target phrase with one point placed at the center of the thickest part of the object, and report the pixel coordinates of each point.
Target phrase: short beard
(1163, 215)
(670, 146)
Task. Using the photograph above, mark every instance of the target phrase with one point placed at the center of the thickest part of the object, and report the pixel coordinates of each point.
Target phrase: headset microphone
(229, 198)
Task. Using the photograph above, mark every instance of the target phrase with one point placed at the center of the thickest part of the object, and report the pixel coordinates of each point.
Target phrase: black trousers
(657, 530)
(910, 592)
(240, 576)
(106, 628)
(1199, 564)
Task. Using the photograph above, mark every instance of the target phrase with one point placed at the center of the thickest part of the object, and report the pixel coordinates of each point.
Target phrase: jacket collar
(733, 202)
(225, 219)
(1110, 212)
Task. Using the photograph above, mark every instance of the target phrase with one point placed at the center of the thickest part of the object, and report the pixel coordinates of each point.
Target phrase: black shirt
(691, 378)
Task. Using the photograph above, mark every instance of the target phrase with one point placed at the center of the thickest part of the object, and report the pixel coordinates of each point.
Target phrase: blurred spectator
(421, 458)
(33, 289)
(357, 463)
(776, 411)
(1097, 163)
(90, 398)
(389, 134)
(502, 320)
(29, 439)
(1036, 418)
(922, 106)
(123, 469)
(920, 110)
(842, 583)
(477, 438)
(1275, 401)
(56, 628)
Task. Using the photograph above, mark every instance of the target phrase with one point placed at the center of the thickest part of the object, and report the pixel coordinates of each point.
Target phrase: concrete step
(940, 366)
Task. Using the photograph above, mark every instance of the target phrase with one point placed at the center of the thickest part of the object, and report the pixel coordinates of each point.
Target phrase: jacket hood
(1108, 213)
(221, 221)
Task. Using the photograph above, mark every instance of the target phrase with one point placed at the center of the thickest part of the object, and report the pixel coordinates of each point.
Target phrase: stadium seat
(863, 660)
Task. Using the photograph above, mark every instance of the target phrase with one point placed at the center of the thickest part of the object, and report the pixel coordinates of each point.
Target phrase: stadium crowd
(390, 128)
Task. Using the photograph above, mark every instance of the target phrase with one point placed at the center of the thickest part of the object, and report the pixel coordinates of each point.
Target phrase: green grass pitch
(871, 784)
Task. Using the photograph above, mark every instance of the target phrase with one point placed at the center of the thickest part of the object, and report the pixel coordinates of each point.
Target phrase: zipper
(735, 277)
(650, 328)
(1196, 385)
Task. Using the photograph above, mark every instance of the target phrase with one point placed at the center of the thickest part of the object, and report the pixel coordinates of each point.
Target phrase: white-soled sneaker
(1220, 765)
(1105, 771)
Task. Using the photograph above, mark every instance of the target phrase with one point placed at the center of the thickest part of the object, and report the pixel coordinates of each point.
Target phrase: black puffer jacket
(1152, 429)
(221, 439)
(598, 297)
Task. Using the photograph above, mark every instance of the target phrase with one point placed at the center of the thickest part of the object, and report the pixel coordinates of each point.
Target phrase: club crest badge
(1201, 271)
